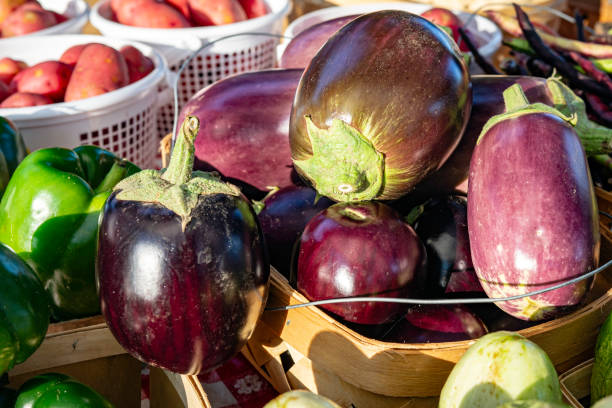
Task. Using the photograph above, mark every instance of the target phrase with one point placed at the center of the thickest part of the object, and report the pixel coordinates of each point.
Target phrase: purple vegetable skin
(532, 214)
(435, 324)
(359, 250)
(304, 46)
(244, 132)
(487, 101)
(182, 282)
(442, 226)
(283, 219)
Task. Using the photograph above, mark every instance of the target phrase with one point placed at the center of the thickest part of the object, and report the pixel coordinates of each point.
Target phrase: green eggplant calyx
(178, 188)
(595, 138)
(344, 165)
(517, 105)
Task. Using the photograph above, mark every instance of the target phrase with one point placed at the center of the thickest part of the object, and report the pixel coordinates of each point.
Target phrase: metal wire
(412, 301)
(193, 55)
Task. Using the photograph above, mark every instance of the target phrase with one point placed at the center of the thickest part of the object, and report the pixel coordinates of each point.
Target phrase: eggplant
(304, 46)
(442, 226)
(283, 218)
(182, 268)
(436, 324)
(382, 104)
(488, 101)
(532, 213)
(360, 249)
(244, 128)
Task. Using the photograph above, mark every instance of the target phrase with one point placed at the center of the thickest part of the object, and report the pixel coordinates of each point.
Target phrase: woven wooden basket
(416, 370)
(576, 383)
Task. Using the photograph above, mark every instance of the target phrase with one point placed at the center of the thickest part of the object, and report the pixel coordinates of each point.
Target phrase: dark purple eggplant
(244, 127)
(381, 105)
(283, 218)
(496, 319)
(182, 268)
(361, 249)
(532, 214)
(488, 101)
(442, 226)
(304, 45)
(436, 324)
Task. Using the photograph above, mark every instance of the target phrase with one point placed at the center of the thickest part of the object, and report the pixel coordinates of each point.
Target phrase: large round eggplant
(244, 127)
(381, 105)
(488, 101)
(283, 218)
(300, 50)
(361, 249)
(532, 214)
(182, 269)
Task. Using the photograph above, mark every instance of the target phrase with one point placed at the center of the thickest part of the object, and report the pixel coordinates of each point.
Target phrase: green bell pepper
(12, 151)
(24, 310)
(53, 390)
(49, 217)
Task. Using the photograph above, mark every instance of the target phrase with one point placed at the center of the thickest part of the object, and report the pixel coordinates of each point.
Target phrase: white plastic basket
(77, 12)
(122, 121)
(483, 30)
(232, 56)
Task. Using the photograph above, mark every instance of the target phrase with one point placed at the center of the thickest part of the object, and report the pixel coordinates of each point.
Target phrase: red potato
(71, 55)
(15, 81)
(180, 5)
(216, 12)
(9, 68)
(49, 78)
(139, 65)
(149, 13)
(8, 6)
(4, 91)
(23, 99)
(99, 69)
(254, 8)
(59, 17)
(27, 19)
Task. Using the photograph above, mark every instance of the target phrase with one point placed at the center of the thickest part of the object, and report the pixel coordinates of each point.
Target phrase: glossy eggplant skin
(361, 249)
(244, 127)
(188, 299)
(532, 214)
(435, 324)
(304, 46)
(397, 79)
(487, 101)
(283, 219)
(443, 229)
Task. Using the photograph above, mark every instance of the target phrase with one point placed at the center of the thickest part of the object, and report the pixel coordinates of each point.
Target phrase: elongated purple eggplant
(304, 46)
(487, 101)
(283, 218)
(436, 323)
(361, 249)
(532, 214)
(380, 106)
(182, 269)
(245, 126)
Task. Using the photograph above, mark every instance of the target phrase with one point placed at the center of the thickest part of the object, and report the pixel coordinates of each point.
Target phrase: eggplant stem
(514, 98)
(181, 161)
(115, 175)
